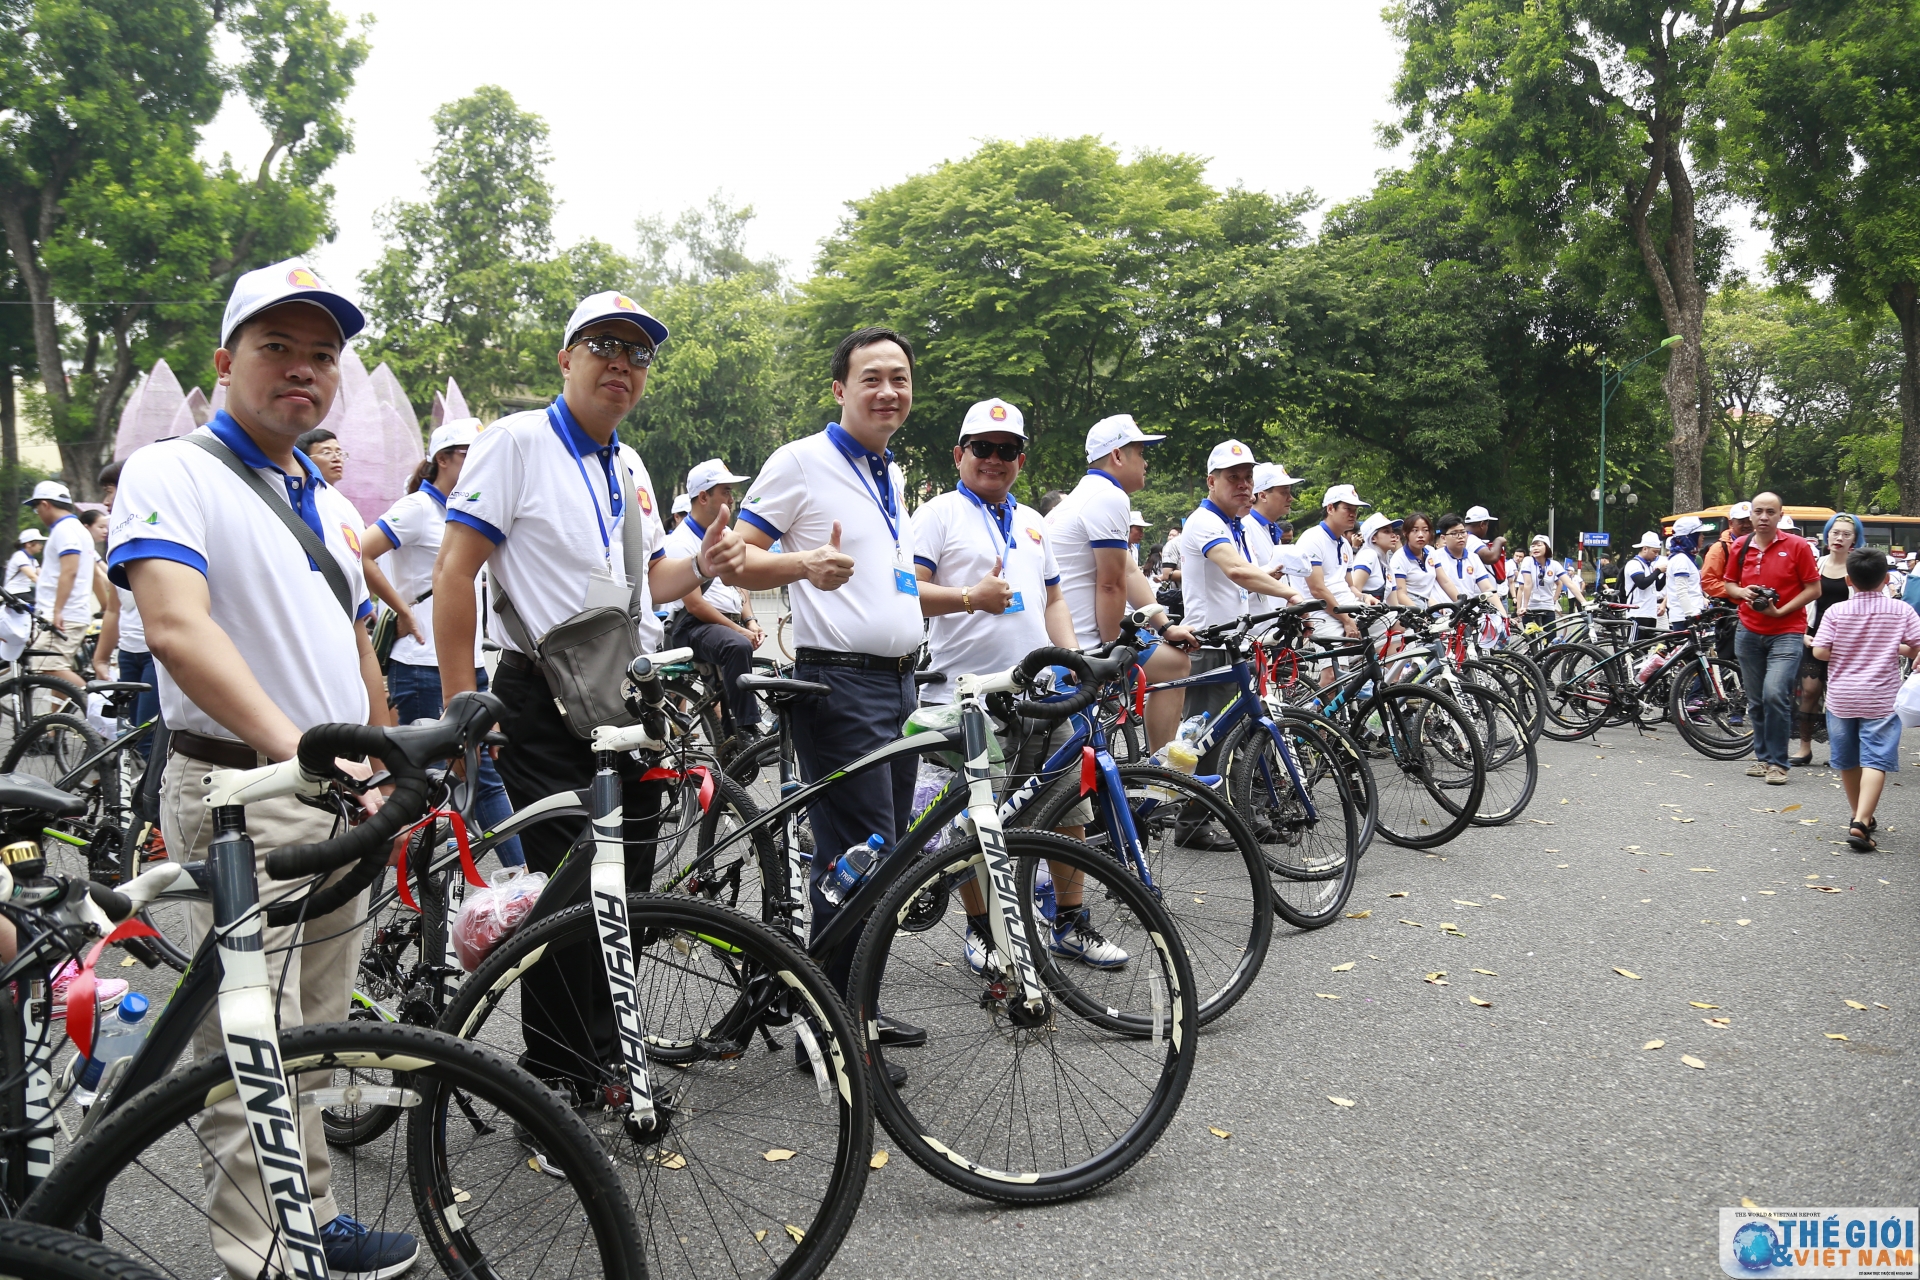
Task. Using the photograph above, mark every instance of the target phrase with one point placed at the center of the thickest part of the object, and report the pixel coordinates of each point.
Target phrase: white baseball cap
(1786, 521)
(452, 434)
(707, 474)
(1109, 434)
(1229, 453)
(289, 281)
(1375, 523)
(1342, 493)
(50, 491)
(1540, 540)
(1476, 514)
(1649, 540)
(1137, 521)
(612, 305)
(993, 415)
(1740, 511)
(31, 535)
(1686, 525)
(682, 505)
(1271, 475)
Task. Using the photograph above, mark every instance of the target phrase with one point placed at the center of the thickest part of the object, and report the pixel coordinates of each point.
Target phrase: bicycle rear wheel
(456, 1175)
(1427, 764)
(1519, 678)
(1002, 1104)
(1579, 693)
(1513, 765)
(1710, 708)
(29, 1251)
(1311, 858)
(713, 1197)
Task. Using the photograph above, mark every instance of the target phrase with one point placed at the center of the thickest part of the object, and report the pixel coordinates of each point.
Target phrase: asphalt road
(1536, 1137)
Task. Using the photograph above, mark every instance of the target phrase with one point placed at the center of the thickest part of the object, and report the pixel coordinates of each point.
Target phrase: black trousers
(731, 653)
(867, 710)
(566, 1011)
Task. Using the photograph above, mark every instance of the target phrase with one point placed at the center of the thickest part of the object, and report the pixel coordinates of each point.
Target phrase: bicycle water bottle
(120, 1038)
(1193, 728)
(1655, 660)
(850, 868)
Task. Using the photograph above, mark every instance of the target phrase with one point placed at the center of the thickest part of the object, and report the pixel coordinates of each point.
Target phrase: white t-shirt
(1684, 596)
(1095, 514)
(17, 580)
(1367, 561)
(68, 537)
(684, 544)
(1211, 596)
(807, 486)
(1642, 602)
(958, 539)
(133, 632)
(539, 488)
(1420, 576)
(1330, 553)
(177, 502)
(415, 526)
(1542, 585)
(1263, 542)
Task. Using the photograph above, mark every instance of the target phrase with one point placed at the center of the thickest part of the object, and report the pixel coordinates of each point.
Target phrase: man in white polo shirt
(1098, 577)
(63, 594)
(1272, 499)
(1218, 573)
(1329, 558)
(717, 623)
(543, 502)
(254, 646)
(837, 505)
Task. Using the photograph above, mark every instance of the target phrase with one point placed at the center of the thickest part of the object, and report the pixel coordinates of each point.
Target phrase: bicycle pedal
(719, 1049)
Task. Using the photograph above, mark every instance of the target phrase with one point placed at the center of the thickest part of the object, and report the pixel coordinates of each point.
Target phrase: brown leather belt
(858, 661)
(224, 752)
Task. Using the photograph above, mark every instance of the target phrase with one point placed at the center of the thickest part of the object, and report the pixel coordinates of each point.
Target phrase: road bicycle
(26, 695)
(453, 1174)
(1673, 675)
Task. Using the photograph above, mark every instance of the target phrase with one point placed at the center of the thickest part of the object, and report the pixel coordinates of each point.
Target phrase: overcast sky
(796, 108)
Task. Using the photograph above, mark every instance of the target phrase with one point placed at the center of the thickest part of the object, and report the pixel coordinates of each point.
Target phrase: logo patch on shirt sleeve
(352, 536)
(646, 500)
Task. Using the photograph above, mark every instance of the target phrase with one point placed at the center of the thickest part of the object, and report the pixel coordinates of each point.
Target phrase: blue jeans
(138, 668)
(1770, 669)
(415, 695)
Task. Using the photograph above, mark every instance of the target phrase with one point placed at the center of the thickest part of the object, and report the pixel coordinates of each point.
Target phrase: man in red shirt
(1772, 633)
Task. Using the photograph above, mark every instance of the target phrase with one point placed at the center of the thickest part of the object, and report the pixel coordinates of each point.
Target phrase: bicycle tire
(1524, 685)
(29, 1251)
(119, 1167)
(1513, 763)
(50, 749)
(1424, 799)
(1220, 900)
(1579, 693)
(1152, 1005)
(1311, 864)
(13, 1105)
(730, 1099)
(14, 688)
(1704, 718)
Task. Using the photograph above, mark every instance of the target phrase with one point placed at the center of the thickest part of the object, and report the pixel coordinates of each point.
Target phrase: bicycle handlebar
(1093, 673)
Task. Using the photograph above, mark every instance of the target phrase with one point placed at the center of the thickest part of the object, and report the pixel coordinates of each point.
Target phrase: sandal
(1860, 836)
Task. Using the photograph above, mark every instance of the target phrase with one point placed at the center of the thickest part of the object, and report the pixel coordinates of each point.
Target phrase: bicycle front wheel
(1428, 765)
(1579, 694)
(1513, 765)
(1708, 704)
(469, 1194)
(32, 1252)
(1310, 833)
(1002, 1102)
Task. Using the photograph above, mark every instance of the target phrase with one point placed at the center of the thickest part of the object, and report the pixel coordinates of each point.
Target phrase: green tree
(1827, 136)
(1557, 115)
(110, 219)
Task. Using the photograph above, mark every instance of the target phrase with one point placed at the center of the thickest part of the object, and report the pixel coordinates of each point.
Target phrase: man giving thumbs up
(715, 620)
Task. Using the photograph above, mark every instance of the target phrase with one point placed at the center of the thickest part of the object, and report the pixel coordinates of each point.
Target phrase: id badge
(904, 580)
(1016, 605)
(603, 592)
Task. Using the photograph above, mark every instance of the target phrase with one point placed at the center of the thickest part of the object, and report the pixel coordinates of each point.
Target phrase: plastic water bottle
(850, 868)
(1192, 728)
(120, 1038)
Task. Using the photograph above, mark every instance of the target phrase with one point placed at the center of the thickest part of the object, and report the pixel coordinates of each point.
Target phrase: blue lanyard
(1002, 532)
(1233, 527)
(886, 505)
(614, 504)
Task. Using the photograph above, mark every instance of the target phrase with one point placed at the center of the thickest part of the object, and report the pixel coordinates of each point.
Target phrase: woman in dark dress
(1842, 534)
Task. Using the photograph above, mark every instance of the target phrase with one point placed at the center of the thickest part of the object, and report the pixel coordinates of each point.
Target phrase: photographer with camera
(1773, 574)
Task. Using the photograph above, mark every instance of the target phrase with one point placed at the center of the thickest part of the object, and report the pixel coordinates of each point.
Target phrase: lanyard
(886, 505)
(1002, 533)
(614, 505)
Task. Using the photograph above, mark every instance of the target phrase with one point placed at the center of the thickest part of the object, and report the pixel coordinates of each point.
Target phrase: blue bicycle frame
(1245, 703)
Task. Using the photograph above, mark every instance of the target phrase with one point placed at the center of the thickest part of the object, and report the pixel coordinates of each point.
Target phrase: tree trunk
(1905, 300)
(9, 446)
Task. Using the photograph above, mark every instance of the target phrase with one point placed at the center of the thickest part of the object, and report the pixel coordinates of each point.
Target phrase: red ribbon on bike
(1140, 693)
(467, 866)
(1089, 770)
(80, 1010)
(706, 781)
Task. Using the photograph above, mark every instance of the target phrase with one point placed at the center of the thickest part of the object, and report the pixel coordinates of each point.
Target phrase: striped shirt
(1863, 671)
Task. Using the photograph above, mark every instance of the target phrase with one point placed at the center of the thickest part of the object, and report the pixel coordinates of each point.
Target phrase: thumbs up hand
(722, 551)
(828, 567)
(992, 594)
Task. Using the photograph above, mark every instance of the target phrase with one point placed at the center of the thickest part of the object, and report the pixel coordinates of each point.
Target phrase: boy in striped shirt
(1862, 640)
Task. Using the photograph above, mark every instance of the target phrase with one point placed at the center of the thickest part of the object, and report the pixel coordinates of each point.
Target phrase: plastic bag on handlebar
(943, 719)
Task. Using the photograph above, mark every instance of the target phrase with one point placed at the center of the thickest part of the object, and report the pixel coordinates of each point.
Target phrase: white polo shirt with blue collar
(958, 538)
(415, 526)
(803, 490)
(1097, 514)
(177, 502)
(68, 537)
(1211, 596)
(548, 496)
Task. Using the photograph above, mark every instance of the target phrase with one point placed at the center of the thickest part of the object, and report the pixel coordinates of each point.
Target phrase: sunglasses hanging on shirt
(1007, 451)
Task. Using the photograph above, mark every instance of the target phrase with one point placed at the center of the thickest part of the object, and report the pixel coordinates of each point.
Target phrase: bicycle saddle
(117, 686)
(24, 791)
(779, 688)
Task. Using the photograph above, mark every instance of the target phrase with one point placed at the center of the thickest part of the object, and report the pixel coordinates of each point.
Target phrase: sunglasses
(639, 355)
(1006, 451)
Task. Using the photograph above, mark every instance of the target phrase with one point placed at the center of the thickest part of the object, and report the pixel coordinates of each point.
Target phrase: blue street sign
(1596, 539)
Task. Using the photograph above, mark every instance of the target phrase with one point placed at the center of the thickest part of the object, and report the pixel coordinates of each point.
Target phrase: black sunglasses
(1007, 450)
(639, 355)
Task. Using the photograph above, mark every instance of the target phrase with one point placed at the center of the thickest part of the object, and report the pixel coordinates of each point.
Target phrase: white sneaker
(1756, 770)
(980, 956)
(1076, 939)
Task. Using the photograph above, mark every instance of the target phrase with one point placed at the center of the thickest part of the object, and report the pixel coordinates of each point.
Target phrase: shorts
(1862, 742)
(1042, 742)
(68, 649)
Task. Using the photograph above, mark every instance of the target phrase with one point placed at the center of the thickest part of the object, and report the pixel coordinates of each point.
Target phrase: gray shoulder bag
(310, 542)
(585, 658)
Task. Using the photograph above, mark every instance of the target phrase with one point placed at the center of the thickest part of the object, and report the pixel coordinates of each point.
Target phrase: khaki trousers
(318, 981)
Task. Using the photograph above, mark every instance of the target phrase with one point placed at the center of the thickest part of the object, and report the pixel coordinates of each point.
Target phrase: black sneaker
(358, 1252)
(898, 1034)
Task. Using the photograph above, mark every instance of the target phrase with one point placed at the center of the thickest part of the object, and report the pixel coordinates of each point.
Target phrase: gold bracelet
(966, 598)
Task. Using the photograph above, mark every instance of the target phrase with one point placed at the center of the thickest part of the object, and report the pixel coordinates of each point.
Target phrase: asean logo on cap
(352, 536)
(302, 278)
(1236, 450)
(645, 499)
(998, 413)
(625, 303)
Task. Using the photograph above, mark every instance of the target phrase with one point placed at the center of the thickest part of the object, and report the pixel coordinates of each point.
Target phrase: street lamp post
(1609, 385)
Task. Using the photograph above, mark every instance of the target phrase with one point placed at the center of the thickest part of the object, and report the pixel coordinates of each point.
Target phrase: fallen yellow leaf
(1462, 902)
(1722, 1023)
(1484, 1004)
(1561, 866)
(1769, 893)
(796, 1233)
(778, 1154)
(1813, 877)
(1835, 1035)
(1696, 1004)
(1700, 868)
(1628, 973)
(761, 1234)
(1218, 1133)
(1499, 897)
(671, 1160)
(1448, 924)
(1743, 923)
(1401, 894)
(1324, 996)
(879, 1161)
(1342, 968)
(1693, 1062)
(1808, 822)
(1340, 1102)
(1746, 1203)
(128, 963)
(1853, 1004)
(1823, 888)
(1654, 1044)
(1490, 973)
(1415, 923)
(1359, 915)
(1887, 1007)
(1792, 808)
(1437, 979)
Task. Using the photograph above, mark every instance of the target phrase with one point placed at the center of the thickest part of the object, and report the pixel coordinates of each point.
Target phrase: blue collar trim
(1264, 522)
(577, 439)
(1095, 471)
(426, 487)
(843, 441)
(235, 437)
(699, 531)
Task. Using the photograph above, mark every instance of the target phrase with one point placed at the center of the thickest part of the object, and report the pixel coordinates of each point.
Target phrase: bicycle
(472, 1199)
(1675, 675)
(21, 690)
